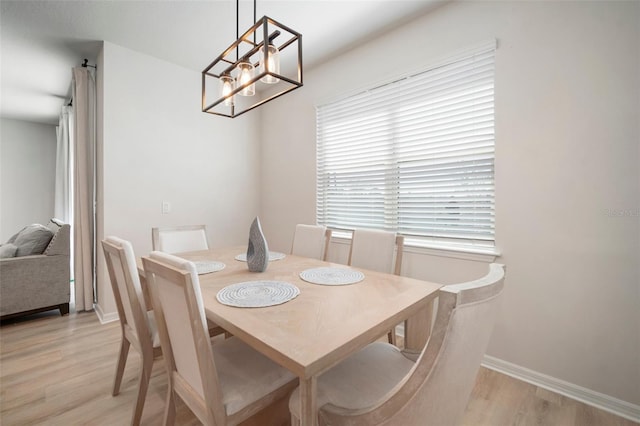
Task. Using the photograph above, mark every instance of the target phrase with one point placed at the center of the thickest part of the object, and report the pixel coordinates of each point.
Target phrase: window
(415, 156)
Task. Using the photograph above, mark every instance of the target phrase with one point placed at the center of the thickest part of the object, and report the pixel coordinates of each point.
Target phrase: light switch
(166, 207)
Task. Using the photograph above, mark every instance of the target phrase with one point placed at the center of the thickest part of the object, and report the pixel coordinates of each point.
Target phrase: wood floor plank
(58, 370)
(496, 399)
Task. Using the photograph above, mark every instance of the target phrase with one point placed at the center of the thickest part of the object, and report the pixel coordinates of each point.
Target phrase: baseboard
(103, 317)
(599, 400)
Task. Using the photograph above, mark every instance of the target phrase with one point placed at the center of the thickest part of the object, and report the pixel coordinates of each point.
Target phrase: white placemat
(273, 255)
(208, 266)
(257, 294)
(332, 276)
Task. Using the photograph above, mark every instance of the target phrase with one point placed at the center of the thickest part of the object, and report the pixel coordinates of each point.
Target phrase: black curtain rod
(85, 64)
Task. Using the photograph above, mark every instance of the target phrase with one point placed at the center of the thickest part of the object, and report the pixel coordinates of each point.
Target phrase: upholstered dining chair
(381, 385)
(311, 241)
(137, 320)
(223, 384)
(374, 249)
(178, 239)
(138, 324)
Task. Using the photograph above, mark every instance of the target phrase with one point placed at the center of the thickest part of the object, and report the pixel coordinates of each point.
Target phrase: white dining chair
(311, 241)
(179, 239)
(222, 384)
(382, 385)
(376, 250)
(379, 251)
(137, 324)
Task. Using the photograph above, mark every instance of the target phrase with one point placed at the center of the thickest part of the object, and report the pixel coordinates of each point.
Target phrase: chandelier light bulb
(245, 75)
(226, 87)
(270, 62)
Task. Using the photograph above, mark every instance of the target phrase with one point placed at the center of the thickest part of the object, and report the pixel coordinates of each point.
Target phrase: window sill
(476, 254)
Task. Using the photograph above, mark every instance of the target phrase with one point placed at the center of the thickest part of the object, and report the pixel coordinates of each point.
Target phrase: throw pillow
(14, 236)
(33, 240)
(53, 226)
(8, 250)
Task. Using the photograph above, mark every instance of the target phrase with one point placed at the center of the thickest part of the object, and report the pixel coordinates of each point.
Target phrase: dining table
(322, 324)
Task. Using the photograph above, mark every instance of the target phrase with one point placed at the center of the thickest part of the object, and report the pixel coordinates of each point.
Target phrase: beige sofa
(36, 282)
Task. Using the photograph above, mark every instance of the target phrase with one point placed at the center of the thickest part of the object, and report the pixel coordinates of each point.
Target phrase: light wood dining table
(323, 324)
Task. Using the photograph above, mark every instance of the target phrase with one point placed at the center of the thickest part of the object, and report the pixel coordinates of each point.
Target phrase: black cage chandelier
(261, 65)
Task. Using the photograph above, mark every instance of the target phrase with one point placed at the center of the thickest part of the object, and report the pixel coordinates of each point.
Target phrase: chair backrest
(127, 291)
(179, 239)
(437, 389)
(311, 241)
(184, 336)
(373, 249)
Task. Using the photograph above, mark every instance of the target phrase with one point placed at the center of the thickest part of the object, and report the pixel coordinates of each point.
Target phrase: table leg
(308, 401)
(418, 329)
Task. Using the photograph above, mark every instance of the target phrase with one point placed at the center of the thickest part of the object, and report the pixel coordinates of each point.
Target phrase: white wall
(27, 174)
(158, 146)
(567, 174)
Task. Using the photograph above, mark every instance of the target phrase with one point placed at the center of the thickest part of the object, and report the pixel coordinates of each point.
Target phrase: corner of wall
(105, 317)
(105, 306)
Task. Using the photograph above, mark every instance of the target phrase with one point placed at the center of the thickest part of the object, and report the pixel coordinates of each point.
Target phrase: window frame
(441, 243)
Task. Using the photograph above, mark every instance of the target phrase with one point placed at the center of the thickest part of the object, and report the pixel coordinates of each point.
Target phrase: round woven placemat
(331, 276)
(257, 294)
(273, 255)
(208, 266)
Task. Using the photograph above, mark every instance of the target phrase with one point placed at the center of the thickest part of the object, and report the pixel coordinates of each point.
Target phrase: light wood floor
(59, 371)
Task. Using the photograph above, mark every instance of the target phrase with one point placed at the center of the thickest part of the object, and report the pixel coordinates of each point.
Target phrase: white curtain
(84, 142)
(63, 194)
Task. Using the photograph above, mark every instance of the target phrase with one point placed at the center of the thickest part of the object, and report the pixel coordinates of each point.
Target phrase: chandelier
(262, 64)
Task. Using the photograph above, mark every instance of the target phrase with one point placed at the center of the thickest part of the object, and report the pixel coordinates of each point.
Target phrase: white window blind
(414, 156)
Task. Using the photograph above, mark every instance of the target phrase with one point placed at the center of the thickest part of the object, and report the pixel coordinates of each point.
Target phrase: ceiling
(42, 40)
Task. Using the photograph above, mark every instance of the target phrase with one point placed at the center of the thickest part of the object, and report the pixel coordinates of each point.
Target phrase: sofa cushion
(8, 250)
(32, 240)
